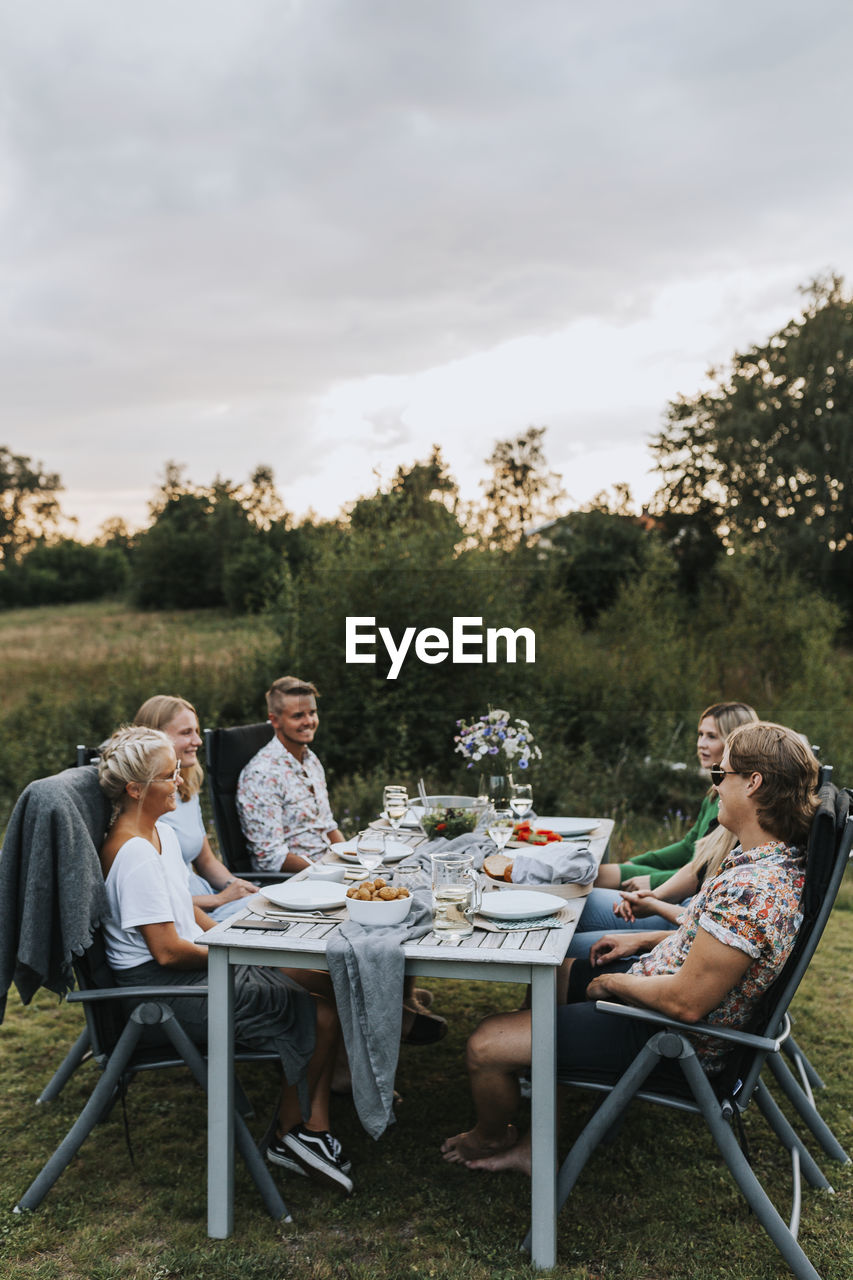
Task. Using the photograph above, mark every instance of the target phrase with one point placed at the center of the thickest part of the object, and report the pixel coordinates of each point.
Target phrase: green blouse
(660, 863)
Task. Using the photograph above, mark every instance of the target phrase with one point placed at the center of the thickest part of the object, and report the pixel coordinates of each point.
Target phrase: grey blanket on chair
(52, 894)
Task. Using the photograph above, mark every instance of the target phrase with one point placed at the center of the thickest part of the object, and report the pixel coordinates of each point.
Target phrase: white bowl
(379, 913)
(327, 871)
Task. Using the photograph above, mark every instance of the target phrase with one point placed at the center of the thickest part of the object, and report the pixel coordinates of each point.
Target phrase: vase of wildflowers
(496, 745)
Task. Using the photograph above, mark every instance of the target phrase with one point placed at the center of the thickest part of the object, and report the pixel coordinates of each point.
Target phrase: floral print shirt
(283, 806)
(752, 903)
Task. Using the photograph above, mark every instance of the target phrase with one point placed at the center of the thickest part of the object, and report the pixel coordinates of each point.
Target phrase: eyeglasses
(171, 777)
(717, 773)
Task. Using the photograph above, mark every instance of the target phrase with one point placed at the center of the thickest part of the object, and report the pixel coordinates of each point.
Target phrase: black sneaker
(320, 1156)
(277, 1153)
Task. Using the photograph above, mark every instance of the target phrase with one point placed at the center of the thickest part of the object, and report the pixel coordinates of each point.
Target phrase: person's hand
(597, 989)
(613, 946)
(235, 889)
(637, 882)
(636, 905)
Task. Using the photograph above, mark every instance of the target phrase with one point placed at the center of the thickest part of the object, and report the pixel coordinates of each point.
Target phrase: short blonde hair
(132, 754)
(159, 711)
(288, 687)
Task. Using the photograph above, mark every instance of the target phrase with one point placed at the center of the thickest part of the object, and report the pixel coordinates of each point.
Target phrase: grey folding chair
(227, 751)
(721, 1101)
(52, 899)
(121, 1024)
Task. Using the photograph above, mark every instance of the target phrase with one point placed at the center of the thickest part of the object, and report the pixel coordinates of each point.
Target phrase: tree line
(757, 466)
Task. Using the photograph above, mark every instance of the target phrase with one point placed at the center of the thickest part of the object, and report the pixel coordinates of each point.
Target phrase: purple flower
(493, 751)
(522, 764)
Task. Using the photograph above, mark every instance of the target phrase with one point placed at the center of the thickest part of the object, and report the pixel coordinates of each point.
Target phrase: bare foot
(515, 1158)
(467, 1147)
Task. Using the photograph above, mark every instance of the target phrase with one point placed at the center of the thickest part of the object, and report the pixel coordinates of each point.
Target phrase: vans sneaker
(277, 1153)
(320, 1156)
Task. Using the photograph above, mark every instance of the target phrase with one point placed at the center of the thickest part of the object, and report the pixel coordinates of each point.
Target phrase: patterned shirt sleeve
(284, 807)
(260, 805)
(755, 915)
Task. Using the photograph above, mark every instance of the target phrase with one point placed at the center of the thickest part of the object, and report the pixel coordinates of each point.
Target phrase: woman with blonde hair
(649, 871)
(154, 936)
(212, 885)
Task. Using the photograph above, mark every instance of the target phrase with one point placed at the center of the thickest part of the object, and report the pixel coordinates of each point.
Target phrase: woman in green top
(602, 912)
(649, 870)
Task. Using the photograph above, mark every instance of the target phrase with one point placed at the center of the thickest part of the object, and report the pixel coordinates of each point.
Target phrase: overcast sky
(326, 234)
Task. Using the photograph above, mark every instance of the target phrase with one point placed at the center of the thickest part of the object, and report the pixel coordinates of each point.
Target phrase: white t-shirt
(187, 823)
(146, 887)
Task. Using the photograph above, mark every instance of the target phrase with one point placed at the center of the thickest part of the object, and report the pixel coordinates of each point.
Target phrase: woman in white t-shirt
(212, 885)
(154, 937)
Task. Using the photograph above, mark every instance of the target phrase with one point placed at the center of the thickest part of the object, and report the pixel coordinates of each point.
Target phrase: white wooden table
(528, 957)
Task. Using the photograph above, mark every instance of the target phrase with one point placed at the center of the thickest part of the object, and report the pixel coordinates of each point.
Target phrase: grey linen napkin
(568, 864)
(367, 969)
(475, 843)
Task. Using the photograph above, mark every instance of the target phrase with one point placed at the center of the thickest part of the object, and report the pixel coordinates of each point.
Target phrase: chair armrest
(697, 1028)
(133, 993)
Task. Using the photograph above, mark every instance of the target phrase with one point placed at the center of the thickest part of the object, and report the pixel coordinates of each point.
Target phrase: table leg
(220, 1094)
(543, 1079)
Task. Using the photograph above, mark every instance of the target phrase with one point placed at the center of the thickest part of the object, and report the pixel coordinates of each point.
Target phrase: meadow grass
(657, 1204)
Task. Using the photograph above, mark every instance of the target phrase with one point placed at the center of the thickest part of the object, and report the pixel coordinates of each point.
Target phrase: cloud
(257, 205)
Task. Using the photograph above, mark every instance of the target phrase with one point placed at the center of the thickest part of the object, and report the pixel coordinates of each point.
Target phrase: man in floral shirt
(281, 793)
(732, 943)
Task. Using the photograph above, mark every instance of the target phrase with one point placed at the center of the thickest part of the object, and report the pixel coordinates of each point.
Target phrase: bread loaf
(498, 866)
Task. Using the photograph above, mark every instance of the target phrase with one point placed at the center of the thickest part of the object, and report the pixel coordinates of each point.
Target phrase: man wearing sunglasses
(733, 940)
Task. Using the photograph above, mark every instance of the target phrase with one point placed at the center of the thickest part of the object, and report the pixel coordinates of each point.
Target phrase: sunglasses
(717, 773)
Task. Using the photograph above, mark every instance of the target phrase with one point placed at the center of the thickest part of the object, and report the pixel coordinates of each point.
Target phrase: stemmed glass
(500, 825)
(371, 849)
(521, 799)
(396, 803)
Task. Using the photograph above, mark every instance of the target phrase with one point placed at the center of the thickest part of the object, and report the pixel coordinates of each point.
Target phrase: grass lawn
(657, 1204)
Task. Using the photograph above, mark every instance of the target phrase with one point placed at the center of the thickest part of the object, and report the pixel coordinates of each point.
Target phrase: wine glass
(371, 849)
(500, 825)
(396, 803)
(521, 799)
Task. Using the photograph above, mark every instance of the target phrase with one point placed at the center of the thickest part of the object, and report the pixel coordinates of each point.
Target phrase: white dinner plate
(568, 826)
(519, 904)
(395, 851)
(306, 895)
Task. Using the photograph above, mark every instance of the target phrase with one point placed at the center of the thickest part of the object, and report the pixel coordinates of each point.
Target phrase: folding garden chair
(799, 1084)
(721, 1101)
(52, 900)
(227, 751)
(122, 1022)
